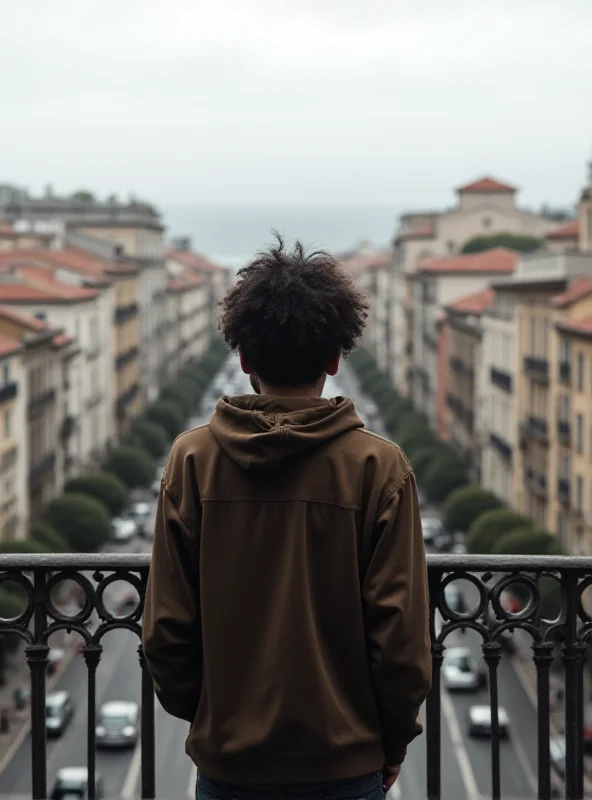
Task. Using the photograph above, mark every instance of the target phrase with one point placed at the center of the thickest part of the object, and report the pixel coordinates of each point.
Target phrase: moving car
(59, 710)
(455, 599)
(140, 513)
(55, 658)
(557, 750)
(72, 782)
(480, 721)
(460, 671)
(117, 724)
(123, 528)
(431, 527)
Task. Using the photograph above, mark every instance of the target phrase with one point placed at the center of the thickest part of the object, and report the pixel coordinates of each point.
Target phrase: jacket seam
(345, 506)
(177, 503)
(392, 493)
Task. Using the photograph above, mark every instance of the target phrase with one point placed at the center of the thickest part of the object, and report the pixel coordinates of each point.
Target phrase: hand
(389, 776)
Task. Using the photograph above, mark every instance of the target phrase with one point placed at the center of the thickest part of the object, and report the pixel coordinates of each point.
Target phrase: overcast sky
(296, 101)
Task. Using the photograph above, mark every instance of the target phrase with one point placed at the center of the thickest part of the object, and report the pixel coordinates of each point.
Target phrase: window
(579, 493)
(532, 335)
(486, 221)
(565, 467)
(580, 433)
(545, 337)
(564, 354)
(580, 372)
(7, 424)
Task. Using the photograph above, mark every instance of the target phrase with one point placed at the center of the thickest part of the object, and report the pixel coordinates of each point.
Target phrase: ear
(333, 365)
(245, 366)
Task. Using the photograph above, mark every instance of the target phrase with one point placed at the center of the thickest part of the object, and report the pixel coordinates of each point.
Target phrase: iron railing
(568, 633)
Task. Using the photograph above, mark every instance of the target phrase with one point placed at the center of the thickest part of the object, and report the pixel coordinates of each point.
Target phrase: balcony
(535, 427)
(563, 432)
(124, 313)
(537, 369)
(501, 378)
(68, 426)
(126, 357)
(536, 482)
(8, 392)
(482, 580)
(40, 402)
(40, 469)
(564, 372)
(125, 399)
(502, 447)
(563, 492)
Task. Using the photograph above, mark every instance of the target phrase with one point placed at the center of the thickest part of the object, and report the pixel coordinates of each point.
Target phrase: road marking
(192, 782)
(462, 756)
(133, 774)
(525, 764)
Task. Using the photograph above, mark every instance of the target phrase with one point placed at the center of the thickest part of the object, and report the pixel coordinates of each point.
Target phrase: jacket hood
(262, 432)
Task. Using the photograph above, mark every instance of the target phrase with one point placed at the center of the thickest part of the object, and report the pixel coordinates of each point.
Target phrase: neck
(315, 390)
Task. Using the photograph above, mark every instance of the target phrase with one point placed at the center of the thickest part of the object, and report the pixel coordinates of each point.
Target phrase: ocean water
(231, 235)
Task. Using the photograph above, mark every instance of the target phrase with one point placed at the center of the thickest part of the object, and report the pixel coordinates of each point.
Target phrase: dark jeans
(366, 787)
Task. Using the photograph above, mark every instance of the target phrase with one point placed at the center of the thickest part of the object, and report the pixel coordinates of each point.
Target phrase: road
(466, 763)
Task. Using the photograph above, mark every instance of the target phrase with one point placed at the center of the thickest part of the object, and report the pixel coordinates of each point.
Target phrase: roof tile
(486, 185)
(497, 261)
(570, 230)
(578, 289)
(474, 304)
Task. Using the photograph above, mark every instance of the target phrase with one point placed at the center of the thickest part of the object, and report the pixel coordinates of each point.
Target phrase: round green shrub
(465, 504)
(526, 541)
(445, 474)
(42, 533)
(151, 436)
(169, 415)
(103, 486)
(421, 458)
(486, 529)
(82, 520)
(132, 465)
(22, 546)
(414, 435)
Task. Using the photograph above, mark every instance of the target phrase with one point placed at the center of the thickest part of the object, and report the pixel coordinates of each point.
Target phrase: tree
(83, 196)
(526, 541)
(445, 474)
(465, 504)
(132, 465)
(82, 521)
(512, 241)
(413, 433)
(169, 415)
(103, 486)
(422, 458)
(151, 436)
(42, 533)
(183, 393)
(489, 527)
(22, 546)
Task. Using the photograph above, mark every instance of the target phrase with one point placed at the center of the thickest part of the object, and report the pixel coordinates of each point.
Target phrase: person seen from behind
(286, 612)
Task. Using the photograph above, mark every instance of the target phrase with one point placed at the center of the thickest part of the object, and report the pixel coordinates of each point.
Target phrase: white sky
(296, 101)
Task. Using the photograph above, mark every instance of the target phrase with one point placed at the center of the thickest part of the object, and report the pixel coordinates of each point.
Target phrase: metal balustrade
(568, 635)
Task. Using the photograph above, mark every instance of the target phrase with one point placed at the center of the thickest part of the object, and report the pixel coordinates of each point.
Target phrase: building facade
(14, 504)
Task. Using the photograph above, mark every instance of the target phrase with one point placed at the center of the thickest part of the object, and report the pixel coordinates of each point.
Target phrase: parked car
(431, 527)
(117, 724)
(480, 721)
(461, 672)
(140, 513)
(72, 782)
(59, 710)
(124, 529)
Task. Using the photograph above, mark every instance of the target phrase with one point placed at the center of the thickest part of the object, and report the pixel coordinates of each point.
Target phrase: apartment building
(46, 358)
(564, 239)
(585, 216)
(438, 282)
(484, 207)
(459, 370)
(14, 505)
(188, 319)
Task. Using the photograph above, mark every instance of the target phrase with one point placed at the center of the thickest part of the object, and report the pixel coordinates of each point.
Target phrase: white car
(117, 724)
(480, 721)
(124, 529)
(72, 782)
(460, 670)
(430, 526)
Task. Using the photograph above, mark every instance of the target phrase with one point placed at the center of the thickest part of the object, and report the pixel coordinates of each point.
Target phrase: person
(286, 610)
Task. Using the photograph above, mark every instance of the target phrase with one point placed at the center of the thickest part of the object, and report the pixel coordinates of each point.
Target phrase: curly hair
(290, 312)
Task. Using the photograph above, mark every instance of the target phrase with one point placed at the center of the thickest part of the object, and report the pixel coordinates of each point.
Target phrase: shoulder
(185, 446)
(383, 457)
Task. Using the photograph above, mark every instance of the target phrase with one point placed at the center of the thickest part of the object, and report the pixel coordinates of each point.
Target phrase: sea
(231, 235)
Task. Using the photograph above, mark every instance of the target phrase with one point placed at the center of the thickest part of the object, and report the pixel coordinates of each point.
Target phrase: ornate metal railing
(491, 578)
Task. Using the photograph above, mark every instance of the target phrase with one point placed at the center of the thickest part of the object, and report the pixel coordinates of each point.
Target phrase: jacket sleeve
(397, 619)
(171, 627)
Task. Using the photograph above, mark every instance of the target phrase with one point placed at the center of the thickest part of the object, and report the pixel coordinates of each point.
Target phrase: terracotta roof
(423, 231)
(184, 283)
(497, 261)
(571, 230)
(32, 323)
(575, 291)
(8, 346)
(68, 258)
(486, 185)
(43, 292)
(355, 264)
(473, 303)
(194, 261)
(583, 326)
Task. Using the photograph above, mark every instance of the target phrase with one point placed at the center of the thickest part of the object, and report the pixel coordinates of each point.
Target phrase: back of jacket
(286, 613)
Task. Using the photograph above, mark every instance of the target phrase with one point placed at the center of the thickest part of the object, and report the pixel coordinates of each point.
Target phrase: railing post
(92, 656)
(433, 702)
(543, 656)
(573, 661)
(37, 659)
(147, 733)
(492, 652)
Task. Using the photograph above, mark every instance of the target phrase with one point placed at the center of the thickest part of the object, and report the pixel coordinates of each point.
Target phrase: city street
(466, 762)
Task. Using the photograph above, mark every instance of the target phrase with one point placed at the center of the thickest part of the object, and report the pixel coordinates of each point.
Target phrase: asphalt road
(466, 763)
